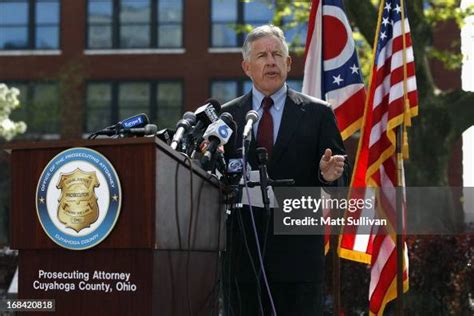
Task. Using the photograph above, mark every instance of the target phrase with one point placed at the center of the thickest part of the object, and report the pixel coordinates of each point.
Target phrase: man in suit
(303, 142)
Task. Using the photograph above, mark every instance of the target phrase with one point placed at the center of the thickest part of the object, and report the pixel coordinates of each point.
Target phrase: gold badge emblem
(78, 208)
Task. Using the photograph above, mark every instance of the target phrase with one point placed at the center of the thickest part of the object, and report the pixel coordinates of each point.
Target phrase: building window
(29, 24)
(110, 102)
(134, 24)
(226, 90)
(39, 108)
(227, 14)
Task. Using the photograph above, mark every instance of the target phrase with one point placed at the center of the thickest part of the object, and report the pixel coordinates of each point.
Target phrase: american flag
(332, 69)
(392, 101)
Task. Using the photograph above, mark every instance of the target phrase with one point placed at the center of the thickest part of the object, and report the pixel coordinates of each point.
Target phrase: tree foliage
(8, 102)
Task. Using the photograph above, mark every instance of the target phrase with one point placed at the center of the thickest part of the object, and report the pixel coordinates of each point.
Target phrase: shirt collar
(278, 98)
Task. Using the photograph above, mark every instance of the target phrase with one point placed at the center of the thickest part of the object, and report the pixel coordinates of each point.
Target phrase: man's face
(267, 65)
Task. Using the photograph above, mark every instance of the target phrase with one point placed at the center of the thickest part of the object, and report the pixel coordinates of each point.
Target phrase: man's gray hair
(263, 31)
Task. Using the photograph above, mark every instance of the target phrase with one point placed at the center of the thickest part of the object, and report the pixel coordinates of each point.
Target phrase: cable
(252, 262)
(265, 238)
(219, 219)
(226, 272)
(176, 212)
(255, 231)
(191, 214)
(192, 232)
(190, 241)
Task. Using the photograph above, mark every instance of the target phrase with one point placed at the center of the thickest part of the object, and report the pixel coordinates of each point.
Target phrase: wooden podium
(165, 241)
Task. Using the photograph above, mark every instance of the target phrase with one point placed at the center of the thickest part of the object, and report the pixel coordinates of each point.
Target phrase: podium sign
(115, 227)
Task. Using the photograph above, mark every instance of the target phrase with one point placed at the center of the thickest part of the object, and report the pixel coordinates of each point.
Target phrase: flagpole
(336, 264)
(336, 272)
(399, 229)
(400, 172)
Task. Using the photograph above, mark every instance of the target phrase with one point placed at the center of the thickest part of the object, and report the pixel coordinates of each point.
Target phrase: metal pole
(336, 272)
(399, 226)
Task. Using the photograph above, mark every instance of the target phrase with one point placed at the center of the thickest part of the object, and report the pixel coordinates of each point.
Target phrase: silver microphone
(251, 117)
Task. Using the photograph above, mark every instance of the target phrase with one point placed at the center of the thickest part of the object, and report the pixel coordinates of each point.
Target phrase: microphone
(139, 120)
(235, 166)
(148, 129)
(251, 117)
(205, 115)
(218, 133)
(165, 135)
(182, 127)
(235, 162)
(136, 121)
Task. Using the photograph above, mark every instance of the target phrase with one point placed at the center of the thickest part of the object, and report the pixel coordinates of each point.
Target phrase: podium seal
(78, 198)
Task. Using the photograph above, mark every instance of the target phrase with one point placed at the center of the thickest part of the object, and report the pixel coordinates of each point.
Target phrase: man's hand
(331, 166)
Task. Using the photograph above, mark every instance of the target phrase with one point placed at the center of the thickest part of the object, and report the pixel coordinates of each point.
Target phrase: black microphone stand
(262, 158)
(265, 181)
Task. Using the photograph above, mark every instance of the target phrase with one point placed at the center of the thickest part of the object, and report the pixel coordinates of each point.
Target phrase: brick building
(84, 64)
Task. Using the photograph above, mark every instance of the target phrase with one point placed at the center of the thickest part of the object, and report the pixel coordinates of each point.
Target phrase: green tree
(8, 102)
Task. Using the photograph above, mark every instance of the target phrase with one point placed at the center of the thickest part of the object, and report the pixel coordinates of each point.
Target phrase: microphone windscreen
(251, 115)
(184, 124)
(151, 129)
(227, 118)
(190, 117)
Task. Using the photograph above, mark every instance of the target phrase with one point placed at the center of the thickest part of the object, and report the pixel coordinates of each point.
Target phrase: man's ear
(246, 67)
(288, 62)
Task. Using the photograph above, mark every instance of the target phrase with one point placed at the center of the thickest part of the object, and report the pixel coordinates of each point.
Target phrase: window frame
(31, 26)
(152, 110)
(240, 37)
(29, 97)
(116, 24)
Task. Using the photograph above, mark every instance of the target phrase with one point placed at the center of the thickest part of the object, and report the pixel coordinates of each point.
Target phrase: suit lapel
(292, 114)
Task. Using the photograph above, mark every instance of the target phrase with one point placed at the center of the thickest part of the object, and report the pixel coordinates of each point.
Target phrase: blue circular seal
(78, 198)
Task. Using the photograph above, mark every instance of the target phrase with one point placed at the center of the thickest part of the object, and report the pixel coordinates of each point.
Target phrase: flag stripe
(387, 78)
(384, 247)
(386, 275)
(395, 46)
(347, 113)
(382, 117)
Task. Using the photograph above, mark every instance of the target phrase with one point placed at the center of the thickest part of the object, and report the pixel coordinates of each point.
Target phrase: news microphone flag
(391, 102)
(332, 70)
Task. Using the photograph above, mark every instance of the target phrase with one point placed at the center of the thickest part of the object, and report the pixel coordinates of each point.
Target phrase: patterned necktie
(265, 127)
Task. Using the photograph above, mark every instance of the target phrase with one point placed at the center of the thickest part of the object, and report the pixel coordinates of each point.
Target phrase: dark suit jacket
(307, 128)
